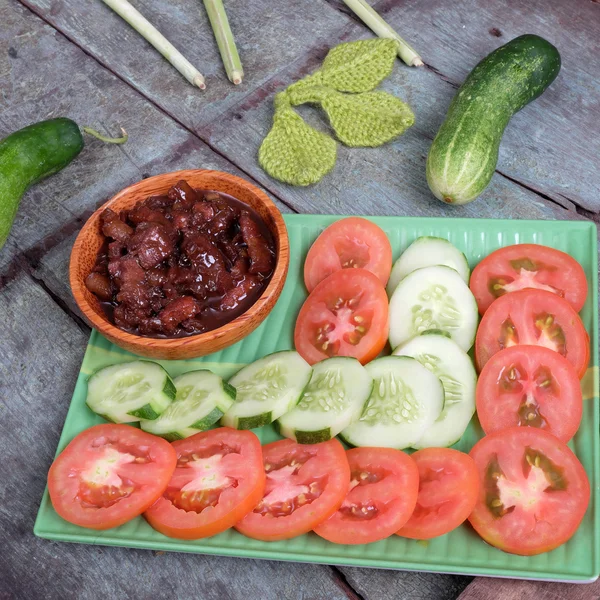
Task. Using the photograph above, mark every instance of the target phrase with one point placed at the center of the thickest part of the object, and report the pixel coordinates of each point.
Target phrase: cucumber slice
(335, 396)
(202, 398)
(405, 401)
(453, 367)
(433, 298)
(131, 391)
(428, 251)
(267, 389)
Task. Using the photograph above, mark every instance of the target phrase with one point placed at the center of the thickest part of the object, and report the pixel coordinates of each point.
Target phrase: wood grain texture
(484, 588)
(552, 145)
(389, 180)
(91, 239)
(42, 75)
(376, 584)
(547, 146)
(269, 34)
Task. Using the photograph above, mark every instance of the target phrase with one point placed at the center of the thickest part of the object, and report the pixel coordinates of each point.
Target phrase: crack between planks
(85, 328)
(164, 111)
(341, 581)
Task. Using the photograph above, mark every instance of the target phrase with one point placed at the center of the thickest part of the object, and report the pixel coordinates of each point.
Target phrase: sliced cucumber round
(453, 367)
(202, 399)
(428, 251)
(131, 391)
(405, 401)
(433, 298)
(267, 389)
(334, 397)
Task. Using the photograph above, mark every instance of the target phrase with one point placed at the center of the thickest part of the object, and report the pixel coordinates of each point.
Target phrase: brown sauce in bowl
(181, 264)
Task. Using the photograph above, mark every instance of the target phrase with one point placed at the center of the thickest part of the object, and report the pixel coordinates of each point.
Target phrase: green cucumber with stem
(32, 154)
(464, 153)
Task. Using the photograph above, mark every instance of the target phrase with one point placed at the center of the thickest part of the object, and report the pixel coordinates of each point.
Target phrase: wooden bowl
(90, 239)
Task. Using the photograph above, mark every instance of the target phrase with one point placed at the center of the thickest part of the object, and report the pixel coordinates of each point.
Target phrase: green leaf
(359, 66)
(295, 153)
(368, 119)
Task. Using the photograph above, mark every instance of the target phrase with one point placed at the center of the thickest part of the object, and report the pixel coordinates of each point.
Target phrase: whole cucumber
(29, 155)
(464, 153)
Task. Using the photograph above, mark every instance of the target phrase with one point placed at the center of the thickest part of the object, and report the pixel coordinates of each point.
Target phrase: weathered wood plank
(42, 75)
(375, 584)
(547, 146)
(552, 145)
(389, 180)
(41, 352)
(269, 34)
(484, 588)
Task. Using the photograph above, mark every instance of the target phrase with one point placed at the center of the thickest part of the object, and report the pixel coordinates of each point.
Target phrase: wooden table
(74, 58)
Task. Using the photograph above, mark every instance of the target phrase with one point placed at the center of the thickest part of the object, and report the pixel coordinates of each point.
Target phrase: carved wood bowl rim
(90, 239)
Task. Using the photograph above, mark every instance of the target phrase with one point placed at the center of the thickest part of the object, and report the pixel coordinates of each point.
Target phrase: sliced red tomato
(530, 386)
(352, 243)
(305, 485)
(533, 318)
(345, 315)
(383, 491)
(218, 479)
(528, 266)
(108, 475)
(448, 490)
(534, 494)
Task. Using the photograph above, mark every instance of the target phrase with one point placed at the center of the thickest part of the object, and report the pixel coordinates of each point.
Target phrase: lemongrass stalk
(159, 41)
(376, 24)
(109, 140)
(225, 40)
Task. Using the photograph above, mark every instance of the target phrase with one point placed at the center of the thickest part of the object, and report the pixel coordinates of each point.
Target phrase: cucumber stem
(108, 140)
(376, 24)
(225, 40)
(127, 12)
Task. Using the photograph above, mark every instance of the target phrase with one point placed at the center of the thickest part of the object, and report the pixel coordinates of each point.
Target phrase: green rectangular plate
(460, 551)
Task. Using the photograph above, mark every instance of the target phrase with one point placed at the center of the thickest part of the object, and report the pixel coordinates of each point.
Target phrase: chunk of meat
(114, 228)
(208, 262)
(145, 214)
(130, 279)
(241, 264)
(261, 258)
(222, 221)
(181, 219)
(182, 195)
(116, 250)
(194, 325)
(157, 202)
(239, 293)
(202, 213)
(127, 317)
(157, 276)
(99, 284)
(178, 310)
(151, 244)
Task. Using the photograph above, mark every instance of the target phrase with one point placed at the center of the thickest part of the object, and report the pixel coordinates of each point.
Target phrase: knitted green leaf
(368, 119)
(295, 153)
(359, 66)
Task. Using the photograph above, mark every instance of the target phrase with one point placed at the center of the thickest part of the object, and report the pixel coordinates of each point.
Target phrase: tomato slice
(345, 315)
(218, 479)
(530, 386)
(448, 490)
(382, 495)
(535, 318)
(305, 485)
(109, 474)
(528, 266)
(534, 494)
(348, 243)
